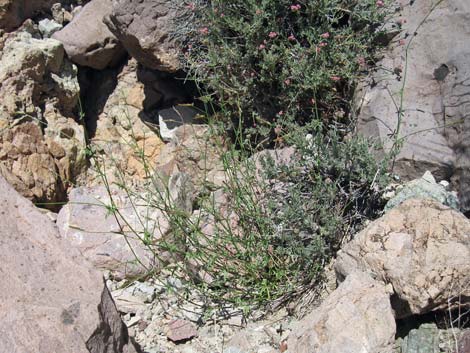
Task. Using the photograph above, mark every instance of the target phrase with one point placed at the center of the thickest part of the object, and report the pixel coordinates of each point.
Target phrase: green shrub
(270, 63)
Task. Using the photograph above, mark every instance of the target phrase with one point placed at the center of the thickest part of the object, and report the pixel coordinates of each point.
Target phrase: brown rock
(181, 330)
(50, 299)
(87, 40)
(421, 248)
(144, 28)
(14, 12)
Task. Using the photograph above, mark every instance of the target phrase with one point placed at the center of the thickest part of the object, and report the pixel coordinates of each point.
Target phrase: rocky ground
(82, 79)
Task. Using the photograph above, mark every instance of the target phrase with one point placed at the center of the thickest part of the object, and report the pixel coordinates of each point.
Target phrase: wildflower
(277, 130)
(280, 113)
(335, 78)
(204, 31)
(295, 8)
(313, 101)
(261, 46)
(272, 35)
(287, 82)
(318, 50)
(291, 38)
(325, 35)
(191, 6)
(258, 12)
(379, 3)
(323, 44)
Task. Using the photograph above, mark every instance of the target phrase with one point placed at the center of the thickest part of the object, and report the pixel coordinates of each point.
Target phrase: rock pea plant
(270, 64)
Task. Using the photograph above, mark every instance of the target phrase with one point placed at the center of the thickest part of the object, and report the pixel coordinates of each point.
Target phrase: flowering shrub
(273, 63)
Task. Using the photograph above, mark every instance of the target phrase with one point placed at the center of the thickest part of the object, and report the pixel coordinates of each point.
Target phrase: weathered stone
(356, 317)
(144, 29)
(424, 188)
(434, 103)
(111, 233)
(25, 162)
(51, 300)
(14, 12)
(30, 71)
(180, 331)
(421, 248)
(423, 339)
(48, 27)
(125, 146)
(87, 40)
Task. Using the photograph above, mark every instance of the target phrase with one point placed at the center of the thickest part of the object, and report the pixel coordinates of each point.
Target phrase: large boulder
(421, 248)
(423, 73)
(87, 40)
(51, 300)
(14, 12)
(144, 28)
(356, 317)
(111, 230)
(43, 146)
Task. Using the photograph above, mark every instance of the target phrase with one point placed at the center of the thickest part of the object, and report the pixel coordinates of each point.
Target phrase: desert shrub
(269, 64)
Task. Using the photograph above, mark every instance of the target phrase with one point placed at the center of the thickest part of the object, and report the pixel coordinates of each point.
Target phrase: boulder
(144, 29)
(43, 146)
(125, 146)
(113, 241)
(14, 12)
(421, 248)
(429, 61)
(425, 187)
(356, 317)
(51, 300)
(87, 40)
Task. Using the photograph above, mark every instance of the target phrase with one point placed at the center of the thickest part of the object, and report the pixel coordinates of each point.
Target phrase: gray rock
(423, 339)
(425, 187)
(144, 29)
(435, 103)
(48, 27)
(356, 317)
(51, 300)
(87, 40)
(421, 248)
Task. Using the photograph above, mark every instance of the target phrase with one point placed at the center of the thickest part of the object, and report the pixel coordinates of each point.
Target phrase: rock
(114, 242)
(48, 27)
(26, 163)
(51, 300)
(193, 152)
(171, 118)
(421, 248)
(87, 40)
(14, 12)
(144, 29)
(434, 104)
(356, 317)
(425, 187)
(464, 342)
(181, 330)
(423, 339)
(39, 90)
(124, 144)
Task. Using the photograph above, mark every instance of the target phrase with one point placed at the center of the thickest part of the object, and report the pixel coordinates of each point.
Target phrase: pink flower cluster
(295, 8)
(379, 3)
(272, 35)
(204, 31)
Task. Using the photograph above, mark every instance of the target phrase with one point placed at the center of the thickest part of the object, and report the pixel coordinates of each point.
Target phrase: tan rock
(51, 300)
(356, 317)
(421, 248)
